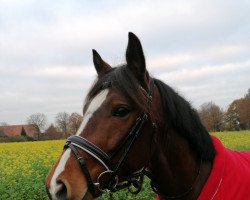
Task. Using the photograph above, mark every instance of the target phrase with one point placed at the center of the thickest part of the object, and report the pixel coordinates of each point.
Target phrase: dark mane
(179, 114)
(184, 119)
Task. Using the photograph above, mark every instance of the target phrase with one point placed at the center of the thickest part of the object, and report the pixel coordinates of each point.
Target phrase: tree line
(64, 125)
(235, 118)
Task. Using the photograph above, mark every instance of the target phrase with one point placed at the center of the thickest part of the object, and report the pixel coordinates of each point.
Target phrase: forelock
(122, 79)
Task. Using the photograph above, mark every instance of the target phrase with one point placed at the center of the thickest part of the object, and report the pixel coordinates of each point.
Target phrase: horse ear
(135, 59)
(100, 65)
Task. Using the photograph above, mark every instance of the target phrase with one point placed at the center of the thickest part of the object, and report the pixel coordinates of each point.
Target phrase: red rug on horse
(231, 170)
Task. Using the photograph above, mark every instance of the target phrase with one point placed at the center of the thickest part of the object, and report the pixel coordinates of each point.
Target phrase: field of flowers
(239, 141)
(24, 165)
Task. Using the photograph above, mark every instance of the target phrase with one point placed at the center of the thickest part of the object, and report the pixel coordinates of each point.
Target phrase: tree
(2, 134)
(247, 95)
(212, 116)
(39, 120)
(75, 121)
(52, 133)
(244, 110)
(232, 117)
(243, 107)
(62, 122)
(238, 114)
(23, 132)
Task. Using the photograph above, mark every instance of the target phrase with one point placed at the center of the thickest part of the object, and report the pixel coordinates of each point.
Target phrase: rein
(135, 179)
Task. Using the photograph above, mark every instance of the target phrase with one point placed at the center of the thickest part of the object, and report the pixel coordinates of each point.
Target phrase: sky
(200, 48)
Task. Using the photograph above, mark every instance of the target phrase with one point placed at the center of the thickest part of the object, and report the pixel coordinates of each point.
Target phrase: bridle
(135, 179)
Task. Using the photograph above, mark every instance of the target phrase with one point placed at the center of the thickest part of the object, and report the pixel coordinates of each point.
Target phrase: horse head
(114, 142)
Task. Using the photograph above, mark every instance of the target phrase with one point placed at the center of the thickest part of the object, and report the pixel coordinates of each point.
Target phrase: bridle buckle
(111, 177)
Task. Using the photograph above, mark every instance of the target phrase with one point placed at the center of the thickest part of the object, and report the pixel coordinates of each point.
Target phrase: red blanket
(230, 175)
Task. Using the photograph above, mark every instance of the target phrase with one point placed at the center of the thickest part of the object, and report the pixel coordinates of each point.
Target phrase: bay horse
(135, 125)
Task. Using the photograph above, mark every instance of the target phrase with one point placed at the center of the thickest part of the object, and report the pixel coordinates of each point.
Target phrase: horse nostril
(61, 192)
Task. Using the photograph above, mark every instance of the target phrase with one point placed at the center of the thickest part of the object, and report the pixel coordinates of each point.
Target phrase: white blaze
(93, 106)
(54, 187)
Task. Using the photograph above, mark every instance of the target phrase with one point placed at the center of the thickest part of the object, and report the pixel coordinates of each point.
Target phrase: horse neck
(175, 169)
(174, 165)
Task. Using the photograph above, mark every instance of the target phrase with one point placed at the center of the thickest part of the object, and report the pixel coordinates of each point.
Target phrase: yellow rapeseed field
(237, 140)
(24, 166)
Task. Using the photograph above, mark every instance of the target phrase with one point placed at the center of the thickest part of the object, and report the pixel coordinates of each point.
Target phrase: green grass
(237, 140)
(24, 166)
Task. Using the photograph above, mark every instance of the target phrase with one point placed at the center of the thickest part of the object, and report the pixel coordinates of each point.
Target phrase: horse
(136, 125)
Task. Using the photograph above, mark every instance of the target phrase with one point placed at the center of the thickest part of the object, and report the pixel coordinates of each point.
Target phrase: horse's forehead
(105, 94)
(92, 107)
(97, 101)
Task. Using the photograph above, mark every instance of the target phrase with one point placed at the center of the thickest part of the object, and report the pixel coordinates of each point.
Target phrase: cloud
(219, 83)
(208, 70)
(64, 72)
(201, 48)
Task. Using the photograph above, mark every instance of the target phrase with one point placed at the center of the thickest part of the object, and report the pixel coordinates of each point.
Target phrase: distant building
(18, 130)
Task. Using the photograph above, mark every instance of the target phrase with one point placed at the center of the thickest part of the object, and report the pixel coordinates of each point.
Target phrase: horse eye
(120, 111)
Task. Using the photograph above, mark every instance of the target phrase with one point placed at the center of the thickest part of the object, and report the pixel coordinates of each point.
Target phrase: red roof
(15, 130)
